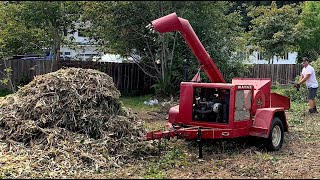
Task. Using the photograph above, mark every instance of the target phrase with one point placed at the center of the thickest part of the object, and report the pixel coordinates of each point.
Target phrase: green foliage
(242, 5)
(275, 31)
(298, 100)
(123, 31)
(6, 73)
(4, 81)
(16, 38)
(310, 45)
(298, 113)
(32, 26)
(23, 81)
(164, 87)
(316, 65)
(291, 92)
(56, 18)
(4, 92)
(174, 158)
(221, 34)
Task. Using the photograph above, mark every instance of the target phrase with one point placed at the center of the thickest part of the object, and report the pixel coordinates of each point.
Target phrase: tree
(243, 5)
(275, 31)
(120, 27)
(310, 46)
(57, 18)
(16, 38)
(220, 31)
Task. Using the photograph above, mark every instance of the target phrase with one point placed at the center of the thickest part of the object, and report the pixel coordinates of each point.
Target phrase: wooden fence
(279, 73)
(129, 78)
(24, 70)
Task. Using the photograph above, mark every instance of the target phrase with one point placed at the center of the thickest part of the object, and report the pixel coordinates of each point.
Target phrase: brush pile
(71, 120)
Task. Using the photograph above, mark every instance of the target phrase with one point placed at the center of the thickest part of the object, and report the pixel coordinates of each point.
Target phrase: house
(84, 49)
(257, 58)
(112, 58)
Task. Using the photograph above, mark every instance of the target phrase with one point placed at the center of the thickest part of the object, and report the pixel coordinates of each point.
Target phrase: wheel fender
(262, 121)
(174, 114)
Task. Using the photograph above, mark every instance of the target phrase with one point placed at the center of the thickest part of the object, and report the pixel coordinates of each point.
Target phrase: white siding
(254, 58)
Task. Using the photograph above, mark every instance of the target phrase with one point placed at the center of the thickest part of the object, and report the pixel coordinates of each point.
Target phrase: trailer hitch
(194, 133)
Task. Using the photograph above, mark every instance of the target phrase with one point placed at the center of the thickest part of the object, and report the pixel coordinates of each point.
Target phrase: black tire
(276, 135)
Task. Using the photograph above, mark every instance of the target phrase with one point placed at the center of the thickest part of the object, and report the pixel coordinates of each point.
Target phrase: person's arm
(304, 79)
(301, 77)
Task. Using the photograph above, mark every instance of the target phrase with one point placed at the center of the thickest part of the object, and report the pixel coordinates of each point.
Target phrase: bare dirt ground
(298, 158)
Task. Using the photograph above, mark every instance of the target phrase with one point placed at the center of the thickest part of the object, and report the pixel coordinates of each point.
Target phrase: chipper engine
(215, 110)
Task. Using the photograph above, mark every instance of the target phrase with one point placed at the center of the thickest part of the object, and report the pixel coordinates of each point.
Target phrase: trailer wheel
(276, 135)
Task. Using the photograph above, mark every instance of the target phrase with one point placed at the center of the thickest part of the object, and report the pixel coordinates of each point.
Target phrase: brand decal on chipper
(244, 87)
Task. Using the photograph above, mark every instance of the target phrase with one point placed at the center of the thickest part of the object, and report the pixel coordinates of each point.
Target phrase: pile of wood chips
(69, 121)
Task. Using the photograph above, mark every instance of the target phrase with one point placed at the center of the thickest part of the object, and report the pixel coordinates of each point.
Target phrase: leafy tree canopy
(15, 37)
(121, 26)
(56, 18)
(310, 45)
(275, 31)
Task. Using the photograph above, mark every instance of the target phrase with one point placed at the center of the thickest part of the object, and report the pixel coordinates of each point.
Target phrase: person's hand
(297, 86)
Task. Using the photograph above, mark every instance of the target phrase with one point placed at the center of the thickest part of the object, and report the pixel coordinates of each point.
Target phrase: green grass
(174, 158)
(4, 93)
(136, 103)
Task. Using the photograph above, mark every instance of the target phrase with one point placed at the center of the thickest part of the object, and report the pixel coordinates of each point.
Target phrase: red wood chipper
(244, 107)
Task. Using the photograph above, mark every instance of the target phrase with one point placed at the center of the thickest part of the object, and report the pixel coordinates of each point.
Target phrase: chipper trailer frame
(216, 110)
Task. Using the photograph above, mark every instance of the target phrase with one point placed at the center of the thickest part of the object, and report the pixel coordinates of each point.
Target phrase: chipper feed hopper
(215, 110)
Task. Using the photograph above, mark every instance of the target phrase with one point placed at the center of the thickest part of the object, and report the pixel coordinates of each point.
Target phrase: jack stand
(199, 134)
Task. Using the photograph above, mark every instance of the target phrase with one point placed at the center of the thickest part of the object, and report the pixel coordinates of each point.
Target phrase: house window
(67, 53)
(91, 54)
(260, 56)
(286, 56)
